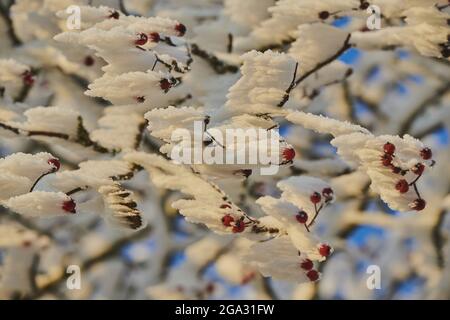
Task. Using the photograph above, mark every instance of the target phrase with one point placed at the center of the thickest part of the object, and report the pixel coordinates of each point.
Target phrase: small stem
(38, 179)
(316, 214)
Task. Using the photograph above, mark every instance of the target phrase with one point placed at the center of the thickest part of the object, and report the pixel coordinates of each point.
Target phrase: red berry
(324, 250)
(306, 264)
(418, 169)
(426, 153)
(28, 78)
(324, 15)
(181, 28)
(288, 154)
(327, 193)
(154, 37)
(402, 186)
(89, 61)
(165, 85)
(55, 163)
(140, 99)
(418, 204)
(141, 40)
(239, 226)
(386, 160)
(114, 15)
(315, 197)
(69, 206)
(302, 217)
(389, 148)
(227, 220)
(312, 275)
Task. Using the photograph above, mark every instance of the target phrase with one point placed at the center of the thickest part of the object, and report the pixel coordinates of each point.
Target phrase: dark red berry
(302, 217)
(114, 15)
(288, 154)
(154, 37)
(69, 206)
(227, 220)
(89, 61)
(181, 28)
(389, 148)
(386, 160)
(418, 169)
(140, 99)
(315, 197)
(239, 226)
(418, 204)
(28, 78)
(55, 163)
(396, 170)
(327, 193)
(364, 5)
(402, 186)
(426, 153)
(306, 264)
(141, 39)
(165, 85)
(324, 250)
(324, 15)
(312, 275)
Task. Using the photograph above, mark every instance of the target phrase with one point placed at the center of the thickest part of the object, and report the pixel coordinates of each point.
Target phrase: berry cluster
(402, 185)
(319, 200)
(238, 225)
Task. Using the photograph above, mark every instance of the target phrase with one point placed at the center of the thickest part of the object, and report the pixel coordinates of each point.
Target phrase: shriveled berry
(55, 163)
(315, 197)
(306, 264)
(389, 148)
(426, 153)
(418, 169)
(396, 170)
(418, 204)
(155, 37)
(302, 217)
(312, 275)
(141, 39)
(165, 85)
(364, 5)
(239, 227)
(386, 160)
(181, 28)
(89, 61)
(324, 15)
(69, 206)
(402, 186)
(324, 250)
(288, 154)
(114, 15)
(227, 220)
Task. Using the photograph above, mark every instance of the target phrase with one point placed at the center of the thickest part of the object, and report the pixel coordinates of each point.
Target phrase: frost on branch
(41, 204)
(19, 172)
(394, 164)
